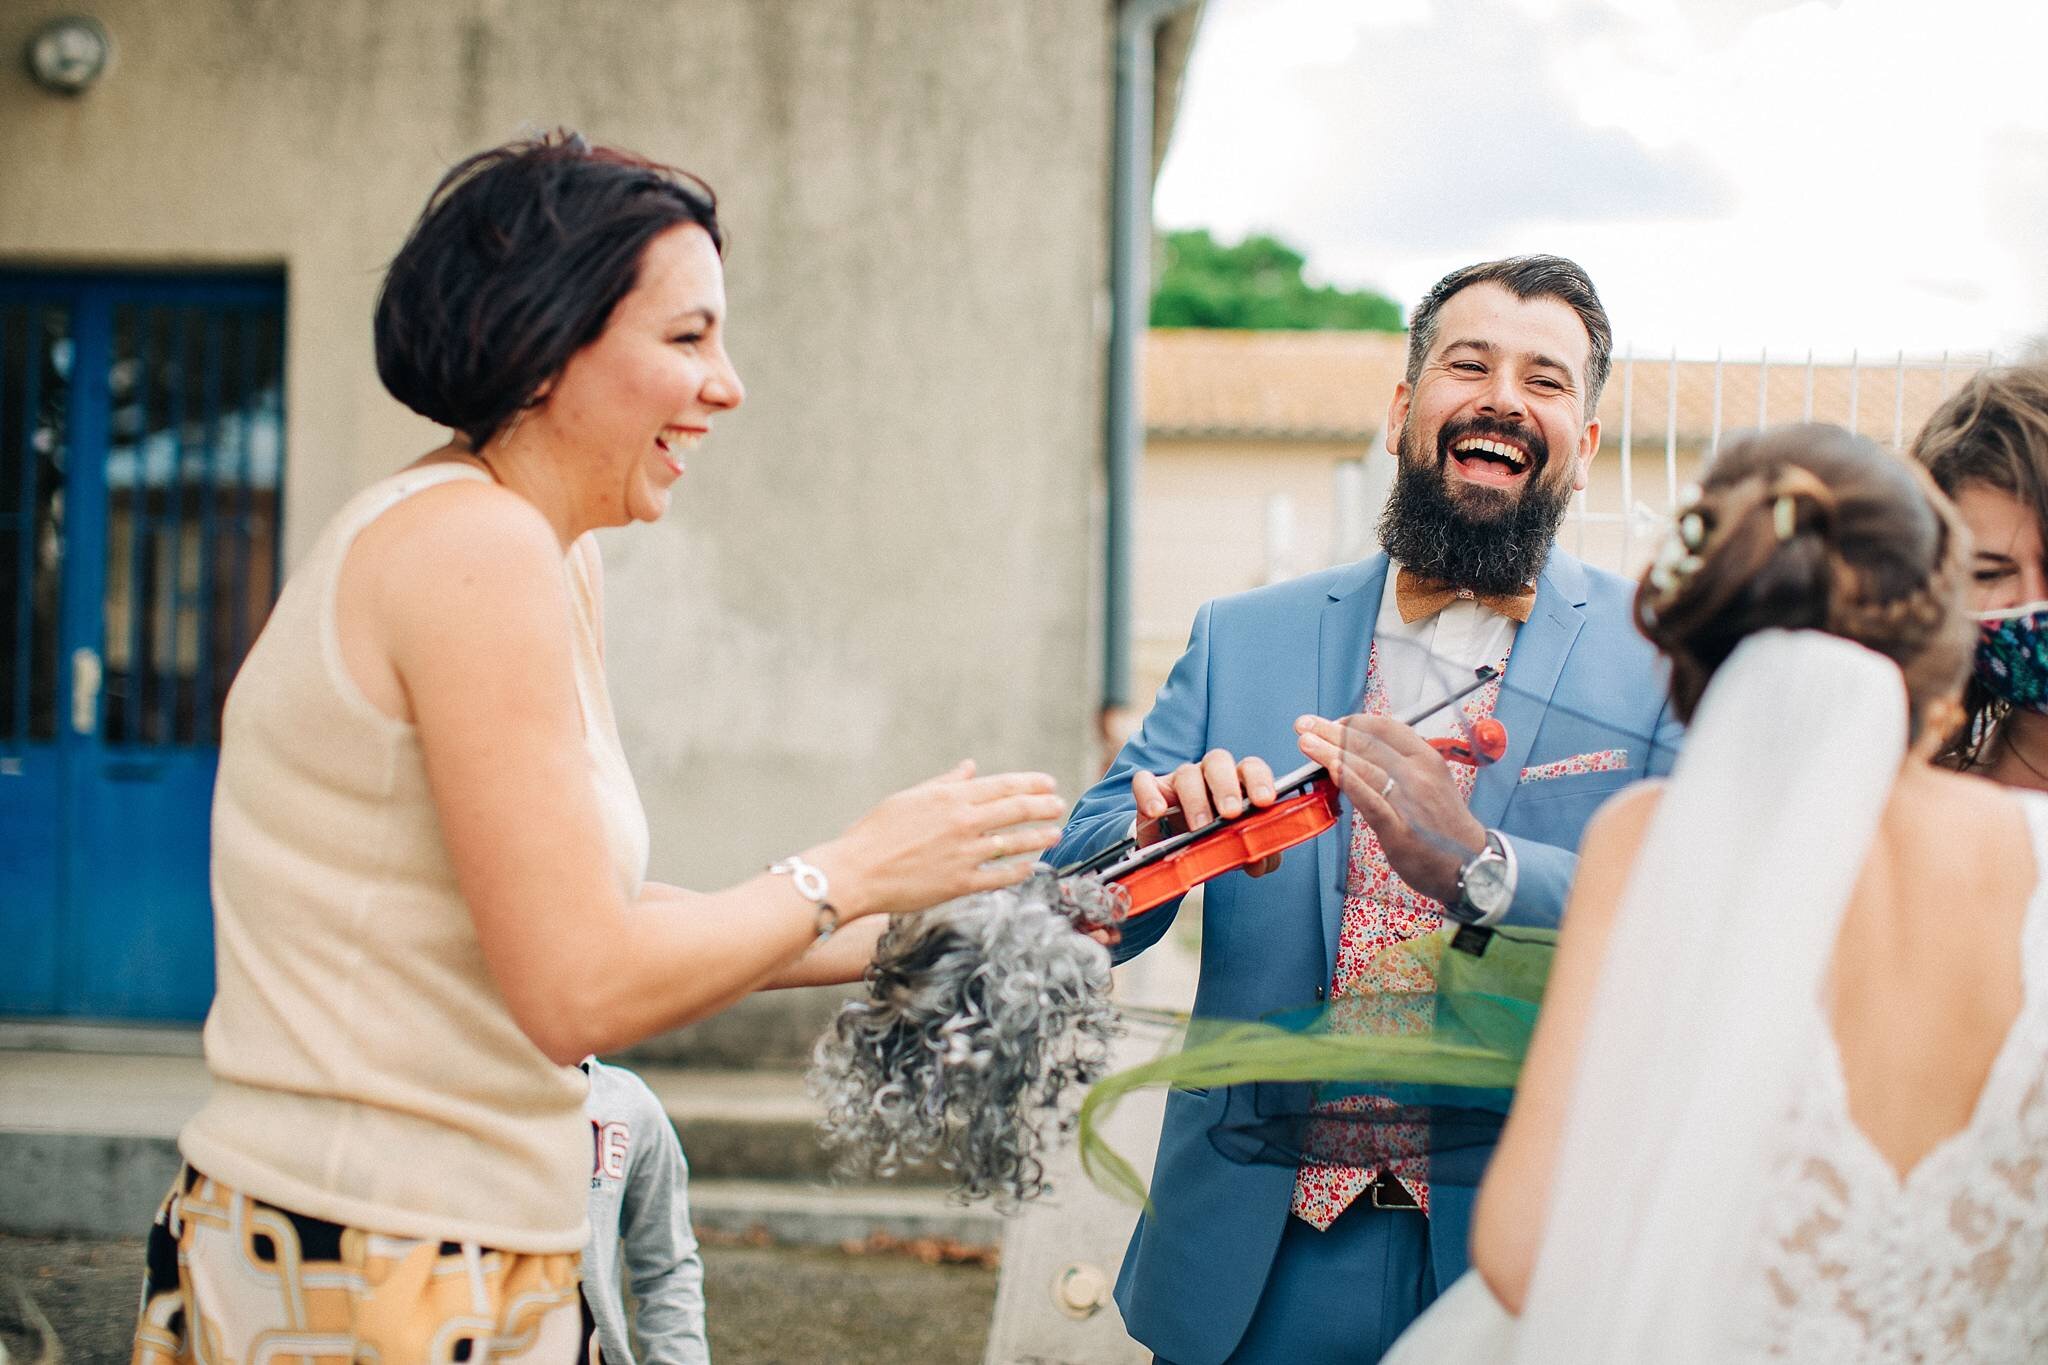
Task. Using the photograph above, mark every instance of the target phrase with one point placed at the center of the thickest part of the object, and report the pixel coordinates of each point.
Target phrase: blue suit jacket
(1254, 662)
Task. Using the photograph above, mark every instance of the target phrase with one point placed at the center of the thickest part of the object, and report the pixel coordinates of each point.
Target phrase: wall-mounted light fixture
(67, 55)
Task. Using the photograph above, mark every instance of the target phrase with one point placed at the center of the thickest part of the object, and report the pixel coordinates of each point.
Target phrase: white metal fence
(1662, 417)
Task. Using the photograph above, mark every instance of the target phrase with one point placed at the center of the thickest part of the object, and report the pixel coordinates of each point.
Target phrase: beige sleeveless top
(366, 1068)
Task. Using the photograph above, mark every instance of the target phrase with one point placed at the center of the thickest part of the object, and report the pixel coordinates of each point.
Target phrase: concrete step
(744, 1125)
(88, 1145)
(109, 1185)
(751, 1125)
(809, 1214)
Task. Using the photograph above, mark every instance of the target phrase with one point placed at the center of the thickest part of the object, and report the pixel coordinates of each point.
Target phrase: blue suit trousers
(1340, 1297)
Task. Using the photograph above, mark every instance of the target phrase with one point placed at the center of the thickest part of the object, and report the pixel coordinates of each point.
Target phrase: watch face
(1486, 884)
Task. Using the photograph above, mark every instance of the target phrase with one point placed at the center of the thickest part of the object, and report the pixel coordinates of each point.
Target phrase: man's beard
(1488, 540)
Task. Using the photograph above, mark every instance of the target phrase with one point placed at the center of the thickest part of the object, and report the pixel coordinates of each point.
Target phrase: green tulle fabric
(1454, 1022)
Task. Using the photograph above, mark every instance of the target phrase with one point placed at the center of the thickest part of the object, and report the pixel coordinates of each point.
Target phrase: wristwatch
(1486, 883)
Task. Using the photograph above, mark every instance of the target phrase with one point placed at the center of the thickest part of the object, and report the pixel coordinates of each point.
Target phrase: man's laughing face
(1500, 402)
(1492, 439)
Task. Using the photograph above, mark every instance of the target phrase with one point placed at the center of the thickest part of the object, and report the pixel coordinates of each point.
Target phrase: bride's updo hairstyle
(1812, 527)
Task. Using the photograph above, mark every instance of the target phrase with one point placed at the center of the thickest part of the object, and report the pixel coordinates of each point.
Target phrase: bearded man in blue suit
(1493, 428)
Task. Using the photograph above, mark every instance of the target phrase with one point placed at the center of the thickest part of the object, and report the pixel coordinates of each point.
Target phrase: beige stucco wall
(885, 561)
(1600, 538)
(1207, 526)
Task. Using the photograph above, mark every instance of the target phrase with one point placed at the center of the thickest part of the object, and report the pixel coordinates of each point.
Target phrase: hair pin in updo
(1792, 482)
(1785, 516)
(1679, 557)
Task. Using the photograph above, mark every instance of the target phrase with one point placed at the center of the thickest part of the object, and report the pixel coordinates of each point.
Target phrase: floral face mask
(2012, 655)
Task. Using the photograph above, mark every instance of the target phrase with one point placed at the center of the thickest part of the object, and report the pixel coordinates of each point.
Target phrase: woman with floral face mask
(1987, 447)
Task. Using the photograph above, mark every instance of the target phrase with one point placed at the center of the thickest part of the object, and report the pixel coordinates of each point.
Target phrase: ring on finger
(999, 847)
(1387, 787)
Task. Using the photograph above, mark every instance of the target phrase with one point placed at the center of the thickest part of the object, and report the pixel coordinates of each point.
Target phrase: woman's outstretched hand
(950, 836)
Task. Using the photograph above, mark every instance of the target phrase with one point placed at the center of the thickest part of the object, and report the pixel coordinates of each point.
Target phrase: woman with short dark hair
(428, 853)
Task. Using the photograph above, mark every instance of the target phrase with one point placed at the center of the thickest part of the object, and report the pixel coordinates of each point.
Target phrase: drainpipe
(1130, 248)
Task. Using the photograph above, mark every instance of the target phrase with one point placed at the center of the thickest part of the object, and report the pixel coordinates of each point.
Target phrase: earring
(511, 428)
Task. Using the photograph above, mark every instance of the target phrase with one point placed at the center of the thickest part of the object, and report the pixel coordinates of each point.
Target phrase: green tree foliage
(1257, 284)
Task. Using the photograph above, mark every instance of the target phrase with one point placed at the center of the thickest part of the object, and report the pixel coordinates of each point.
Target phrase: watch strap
(1499, 843)
(1497, 849)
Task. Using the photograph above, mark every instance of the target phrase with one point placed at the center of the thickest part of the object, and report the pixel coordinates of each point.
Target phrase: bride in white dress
(1788, 1096)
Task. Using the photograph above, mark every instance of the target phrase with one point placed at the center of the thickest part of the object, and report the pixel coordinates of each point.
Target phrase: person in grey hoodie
(640, 1209)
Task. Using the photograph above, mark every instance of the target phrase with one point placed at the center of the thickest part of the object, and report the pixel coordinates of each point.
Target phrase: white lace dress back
(1950, 1264)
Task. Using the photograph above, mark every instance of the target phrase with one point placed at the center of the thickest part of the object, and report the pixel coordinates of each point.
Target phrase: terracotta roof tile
(1319, 384)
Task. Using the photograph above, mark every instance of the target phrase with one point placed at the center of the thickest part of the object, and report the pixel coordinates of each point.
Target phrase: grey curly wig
(982, 1016)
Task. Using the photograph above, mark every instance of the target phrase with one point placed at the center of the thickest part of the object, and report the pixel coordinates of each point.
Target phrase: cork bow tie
(1419, 596)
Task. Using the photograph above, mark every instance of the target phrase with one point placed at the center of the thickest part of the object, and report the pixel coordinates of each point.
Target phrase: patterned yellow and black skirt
(230, 1278)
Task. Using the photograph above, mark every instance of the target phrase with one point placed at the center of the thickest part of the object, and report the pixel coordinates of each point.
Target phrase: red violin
(1307, 805)
(1485, 744)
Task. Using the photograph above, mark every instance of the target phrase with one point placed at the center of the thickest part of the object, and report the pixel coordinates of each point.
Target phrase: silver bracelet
(810, 883)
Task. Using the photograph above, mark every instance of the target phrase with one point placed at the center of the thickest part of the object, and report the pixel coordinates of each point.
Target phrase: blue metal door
(141, 447)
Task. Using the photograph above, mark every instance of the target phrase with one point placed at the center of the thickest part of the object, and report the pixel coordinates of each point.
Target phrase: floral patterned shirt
(1380, 911)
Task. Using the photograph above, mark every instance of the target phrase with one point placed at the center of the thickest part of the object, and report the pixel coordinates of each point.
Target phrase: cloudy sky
(1733, 173)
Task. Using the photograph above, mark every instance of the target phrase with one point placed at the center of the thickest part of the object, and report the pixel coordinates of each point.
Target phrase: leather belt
(1389, 1193)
